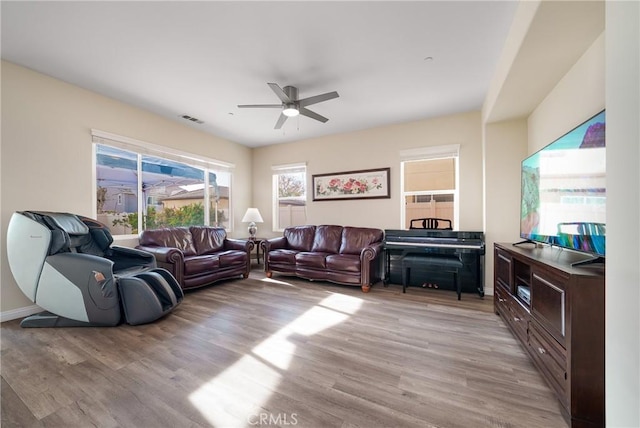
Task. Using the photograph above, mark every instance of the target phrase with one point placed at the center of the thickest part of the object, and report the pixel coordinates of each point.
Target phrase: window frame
(140, 149)
(425, 154)
(278, 170)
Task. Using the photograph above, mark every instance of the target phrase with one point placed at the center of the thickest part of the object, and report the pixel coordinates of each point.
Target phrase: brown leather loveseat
(198, 255)
(344, 255)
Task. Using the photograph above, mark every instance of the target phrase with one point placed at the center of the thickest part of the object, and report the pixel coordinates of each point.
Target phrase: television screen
(564, 190)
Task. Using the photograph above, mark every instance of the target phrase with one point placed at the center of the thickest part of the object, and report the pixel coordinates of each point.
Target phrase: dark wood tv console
(560, 324)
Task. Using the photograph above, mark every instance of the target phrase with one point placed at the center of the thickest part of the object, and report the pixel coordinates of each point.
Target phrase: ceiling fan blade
(280, 93)
(317, 99)
(260, 106)
(281, 120)
(312, 115)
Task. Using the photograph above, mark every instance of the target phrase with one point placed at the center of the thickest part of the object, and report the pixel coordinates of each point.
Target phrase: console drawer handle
(516, 319)
(542, 350)
(501, 299)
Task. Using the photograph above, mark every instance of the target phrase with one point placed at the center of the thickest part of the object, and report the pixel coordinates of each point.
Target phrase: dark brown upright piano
(467, 246)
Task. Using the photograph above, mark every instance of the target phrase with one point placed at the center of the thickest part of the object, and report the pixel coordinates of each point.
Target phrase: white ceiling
(202, 59)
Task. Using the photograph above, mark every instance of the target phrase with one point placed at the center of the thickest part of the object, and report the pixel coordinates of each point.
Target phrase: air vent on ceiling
(192, 119)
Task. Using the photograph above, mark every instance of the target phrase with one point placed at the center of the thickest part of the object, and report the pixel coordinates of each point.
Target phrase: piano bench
(431, 263)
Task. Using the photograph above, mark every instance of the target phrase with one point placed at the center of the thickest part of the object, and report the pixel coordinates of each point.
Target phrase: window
(289, 196)
(430, 183)
(138, 187)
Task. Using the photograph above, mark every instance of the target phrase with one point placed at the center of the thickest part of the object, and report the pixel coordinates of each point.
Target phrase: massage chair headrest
(70, 223)
(72, 231)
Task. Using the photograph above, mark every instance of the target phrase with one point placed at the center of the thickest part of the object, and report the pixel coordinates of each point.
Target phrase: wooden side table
(256, 243)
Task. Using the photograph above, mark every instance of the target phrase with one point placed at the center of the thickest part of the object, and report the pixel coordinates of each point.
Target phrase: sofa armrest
(370, 259)
(274, 244)
(238, 244)
(371, 252)
(268, 245)
(164, 254)
(241, 245)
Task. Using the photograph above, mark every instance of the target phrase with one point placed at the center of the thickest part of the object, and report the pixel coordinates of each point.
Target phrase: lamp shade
(252, 216)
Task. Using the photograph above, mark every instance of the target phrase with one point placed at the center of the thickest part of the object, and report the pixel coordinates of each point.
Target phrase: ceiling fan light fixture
(290, 110)
(292, 106)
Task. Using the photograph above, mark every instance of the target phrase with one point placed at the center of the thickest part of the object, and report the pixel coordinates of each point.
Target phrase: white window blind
(289, 168)
(145, 148)
(431, 152)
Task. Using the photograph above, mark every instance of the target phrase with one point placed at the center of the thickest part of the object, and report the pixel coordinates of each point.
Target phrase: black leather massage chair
(65, 264)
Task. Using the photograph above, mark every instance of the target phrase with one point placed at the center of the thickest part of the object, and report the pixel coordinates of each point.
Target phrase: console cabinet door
(549, 303)
(503, 263)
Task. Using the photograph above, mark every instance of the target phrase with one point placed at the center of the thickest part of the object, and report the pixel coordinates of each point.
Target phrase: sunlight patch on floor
(232, 398)
(342, 303)
(236, 395)
(277, 350)
(275, 281)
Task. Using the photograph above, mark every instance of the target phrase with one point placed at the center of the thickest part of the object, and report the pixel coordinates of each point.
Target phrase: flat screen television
(564, 197)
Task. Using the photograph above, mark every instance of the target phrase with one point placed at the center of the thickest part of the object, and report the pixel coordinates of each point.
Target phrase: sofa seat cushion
(195, 265)
(343, 262)
(283, 256)
(232, 258)
(312, 259)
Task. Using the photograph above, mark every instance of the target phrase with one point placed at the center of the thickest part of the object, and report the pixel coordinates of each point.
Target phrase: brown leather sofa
(344, 255)
(198, 255)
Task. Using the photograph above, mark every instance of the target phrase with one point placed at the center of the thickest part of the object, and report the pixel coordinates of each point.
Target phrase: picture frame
(360, 184)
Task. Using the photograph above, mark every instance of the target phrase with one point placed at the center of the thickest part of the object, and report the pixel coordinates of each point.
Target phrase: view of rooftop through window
(136, 192)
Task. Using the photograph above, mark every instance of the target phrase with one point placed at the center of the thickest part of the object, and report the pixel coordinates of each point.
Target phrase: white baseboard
(19, 313)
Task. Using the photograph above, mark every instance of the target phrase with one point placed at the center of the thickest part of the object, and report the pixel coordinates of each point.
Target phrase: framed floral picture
(363, 184)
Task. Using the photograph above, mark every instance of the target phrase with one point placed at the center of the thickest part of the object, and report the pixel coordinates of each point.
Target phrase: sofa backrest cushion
(327, 239)
(208, 240)
(300, 238)
(354, 239)
(174, 237)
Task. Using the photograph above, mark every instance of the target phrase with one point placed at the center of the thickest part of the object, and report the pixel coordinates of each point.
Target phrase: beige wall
(579, 95)
(505, 145)
(47, 151)
(375, 148)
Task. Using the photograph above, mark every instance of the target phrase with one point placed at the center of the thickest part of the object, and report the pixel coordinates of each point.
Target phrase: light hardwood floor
(281, 352)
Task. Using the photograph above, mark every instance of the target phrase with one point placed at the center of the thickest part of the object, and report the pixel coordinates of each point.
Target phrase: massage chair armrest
(125, 257)
(85, 271)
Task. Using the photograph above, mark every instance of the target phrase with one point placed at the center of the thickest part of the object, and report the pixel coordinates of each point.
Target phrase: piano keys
(469, 247)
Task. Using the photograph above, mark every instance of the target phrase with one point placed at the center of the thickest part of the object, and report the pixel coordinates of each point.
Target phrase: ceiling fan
(291, 106)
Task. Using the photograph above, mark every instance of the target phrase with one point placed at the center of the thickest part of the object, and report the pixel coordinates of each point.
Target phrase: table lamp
(252, 216)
